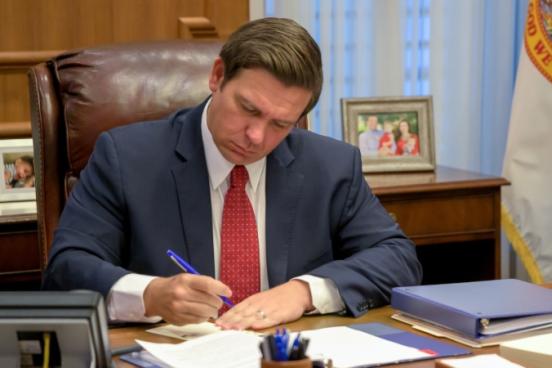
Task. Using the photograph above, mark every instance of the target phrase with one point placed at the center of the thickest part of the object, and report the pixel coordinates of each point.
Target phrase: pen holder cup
(302, 363)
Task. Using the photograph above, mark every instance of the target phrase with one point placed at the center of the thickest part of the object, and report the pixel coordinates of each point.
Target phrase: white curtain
(376, 48)
(362, 50)
(474, 50)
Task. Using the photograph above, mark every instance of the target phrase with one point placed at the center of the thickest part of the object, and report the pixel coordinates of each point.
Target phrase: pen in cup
(279, 347)
(186, 267)
(294, 350)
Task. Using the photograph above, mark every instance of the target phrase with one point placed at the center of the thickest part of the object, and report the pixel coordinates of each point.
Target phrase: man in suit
(315, 238)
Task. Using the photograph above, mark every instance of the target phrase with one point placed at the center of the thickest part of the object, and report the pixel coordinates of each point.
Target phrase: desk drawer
(19, 252)
(440, 215)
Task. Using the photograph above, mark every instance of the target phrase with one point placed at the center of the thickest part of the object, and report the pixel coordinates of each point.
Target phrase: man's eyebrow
(284, 122)
(244, 101)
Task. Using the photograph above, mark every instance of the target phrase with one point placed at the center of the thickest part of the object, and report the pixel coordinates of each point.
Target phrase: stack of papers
(480, 342)
(531, 352)
(347, 347)
(478, 361)
(186, 332)
(225, 349)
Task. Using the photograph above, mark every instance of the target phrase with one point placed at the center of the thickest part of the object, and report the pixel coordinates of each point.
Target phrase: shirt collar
(217, 166)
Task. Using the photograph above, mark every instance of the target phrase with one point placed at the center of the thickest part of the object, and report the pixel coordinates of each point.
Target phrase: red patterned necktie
(239, 255)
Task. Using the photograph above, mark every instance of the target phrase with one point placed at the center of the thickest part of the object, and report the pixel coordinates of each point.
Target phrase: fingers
(184, 295)
(189, 312)
(206, 284)
(282, 304)
(259, 324)
(184, 298)
(249, 314)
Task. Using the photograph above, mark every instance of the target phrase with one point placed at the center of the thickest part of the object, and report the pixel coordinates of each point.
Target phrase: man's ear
(217, 74)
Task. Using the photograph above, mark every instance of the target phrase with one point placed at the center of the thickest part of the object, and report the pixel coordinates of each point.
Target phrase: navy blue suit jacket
(146, 189)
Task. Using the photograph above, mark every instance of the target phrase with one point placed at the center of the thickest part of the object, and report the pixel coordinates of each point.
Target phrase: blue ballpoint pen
(186, 267)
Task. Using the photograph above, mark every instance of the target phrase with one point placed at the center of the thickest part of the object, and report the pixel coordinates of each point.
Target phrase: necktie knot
(239, 177)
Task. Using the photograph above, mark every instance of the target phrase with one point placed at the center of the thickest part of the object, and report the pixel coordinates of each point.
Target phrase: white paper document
(348, 347)
(225, 349)
(186, 332)
(535, 351)
(479, 361)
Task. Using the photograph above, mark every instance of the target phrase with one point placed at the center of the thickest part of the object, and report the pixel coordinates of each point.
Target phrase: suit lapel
(283, 189)
(192, 185)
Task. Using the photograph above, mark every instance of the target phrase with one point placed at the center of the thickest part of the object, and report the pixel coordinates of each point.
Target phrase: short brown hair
(280, 46)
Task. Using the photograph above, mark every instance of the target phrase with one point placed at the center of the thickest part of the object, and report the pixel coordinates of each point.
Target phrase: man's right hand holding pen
(185, 298)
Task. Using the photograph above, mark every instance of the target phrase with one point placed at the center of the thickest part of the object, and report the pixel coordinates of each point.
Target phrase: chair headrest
(118, 84)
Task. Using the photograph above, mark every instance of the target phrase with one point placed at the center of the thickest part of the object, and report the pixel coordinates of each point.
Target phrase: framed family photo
(393, 134)
(17, 163)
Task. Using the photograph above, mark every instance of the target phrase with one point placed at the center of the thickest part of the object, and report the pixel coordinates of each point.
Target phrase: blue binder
(478, 309)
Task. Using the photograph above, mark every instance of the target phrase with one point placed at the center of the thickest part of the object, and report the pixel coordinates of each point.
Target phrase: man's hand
(184, 298)
(281, 304)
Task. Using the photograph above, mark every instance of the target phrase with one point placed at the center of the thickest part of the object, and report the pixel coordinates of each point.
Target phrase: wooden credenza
(19, 251)
(452, 215)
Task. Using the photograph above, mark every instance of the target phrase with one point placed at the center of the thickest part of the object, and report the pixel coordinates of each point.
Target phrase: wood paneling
(14, 95)
(32, 31)
(190, 28)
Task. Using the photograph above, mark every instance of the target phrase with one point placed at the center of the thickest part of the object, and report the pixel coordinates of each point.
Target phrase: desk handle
(393, 216)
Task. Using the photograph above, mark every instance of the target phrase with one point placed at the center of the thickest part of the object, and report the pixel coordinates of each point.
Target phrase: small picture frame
(17, 164)
(394, 134)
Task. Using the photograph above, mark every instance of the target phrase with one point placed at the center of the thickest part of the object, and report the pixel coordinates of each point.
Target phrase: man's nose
(256, 131)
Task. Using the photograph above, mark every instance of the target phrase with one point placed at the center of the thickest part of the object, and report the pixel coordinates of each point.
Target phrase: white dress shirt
(125, 300)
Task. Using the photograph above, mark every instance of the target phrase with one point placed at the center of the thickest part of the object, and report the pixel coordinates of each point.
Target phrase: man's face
(372, 122)
(252, 113)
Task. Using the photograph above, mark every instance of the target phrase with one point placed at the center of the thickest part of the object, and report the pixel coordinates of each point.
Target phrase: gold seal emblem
(538, 36)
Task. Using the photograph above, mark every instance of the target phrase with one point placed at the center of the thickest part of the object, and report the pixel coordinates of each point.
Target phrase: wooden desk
(125, 336)
(120, 337)
(452, 215)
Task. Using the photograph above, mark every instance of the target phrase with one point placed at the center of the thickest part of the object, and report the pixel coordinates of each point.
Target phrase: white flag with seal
(527, 203)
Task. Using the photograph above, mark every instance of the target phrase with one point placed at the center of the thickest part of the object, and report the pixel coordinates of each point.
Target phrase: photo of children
(387, 145)
(18, 170)
(388, 134)
(393, 134)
